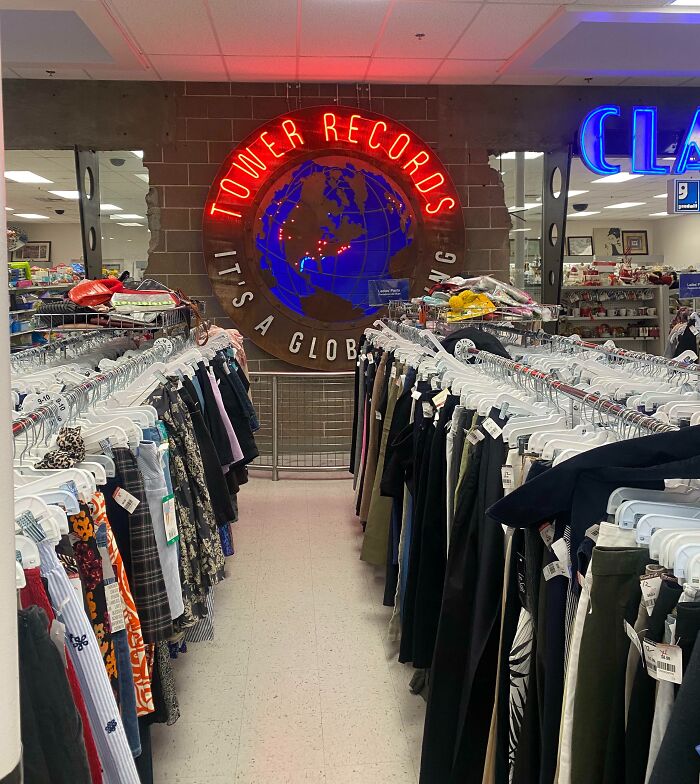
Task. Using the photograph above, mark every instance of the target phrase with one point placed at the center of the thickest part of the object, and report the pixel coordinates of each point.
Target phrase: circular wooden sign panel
(317, 220)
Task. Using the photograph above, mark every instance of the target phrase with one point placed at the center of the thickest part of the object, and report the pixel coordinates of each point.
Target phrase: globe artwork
(326, 229)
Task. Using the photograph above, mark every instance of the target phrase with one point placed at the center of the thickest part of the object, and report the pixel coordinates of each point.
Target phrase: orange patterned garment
(137, 647)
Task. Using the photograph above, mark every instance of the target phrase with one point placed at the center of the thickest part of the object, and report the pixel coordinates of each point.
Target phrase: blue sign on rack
(689, 285)
(686, 195)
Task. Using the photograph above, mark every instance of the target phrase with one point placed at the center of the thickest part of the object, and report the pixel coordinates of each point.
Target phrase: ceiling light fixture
(25, 176)
(514, 230)
(9, 209)
(66, 194)
(529, 205)
(583, 214)
(658, 215)
(576, 193)
(131, 224)
(109, 207)
(127, 216)
(661, 196)
(529, 156)
(31, 216)
(625, 205)
(619, 177)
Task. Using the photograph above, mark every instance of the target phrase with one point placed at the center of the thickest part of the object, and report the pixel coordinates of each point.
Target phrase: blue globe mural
(327, 228)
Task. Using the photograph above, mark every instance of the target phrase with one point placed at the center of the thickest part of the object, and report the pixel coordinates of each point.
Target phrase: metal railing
(305, 420)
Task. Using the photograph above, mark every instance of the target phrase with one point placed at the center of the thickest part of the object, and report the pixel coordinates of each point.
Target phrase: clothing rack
(37, 353)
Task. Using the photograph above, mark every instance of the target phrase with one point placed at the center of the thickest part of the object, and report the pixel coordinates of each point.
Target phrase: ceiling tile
(263, 27)
(180, 27)
(191, 68)
(258, 69)
(467, 72)
(332, 69)
(390, 69)
(441, 24)
(40, 72)
(340, 28)
(501, 29)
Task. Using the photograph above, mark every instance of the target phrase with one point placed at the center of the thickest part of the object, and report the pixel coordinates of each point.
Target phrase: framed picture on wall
(579, 246)
(635, 243)
(33, 251)
(608, 242)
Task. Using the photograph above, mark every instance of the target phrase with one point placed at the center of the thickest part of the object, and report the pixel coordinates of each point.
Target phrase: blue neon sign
(644, 143)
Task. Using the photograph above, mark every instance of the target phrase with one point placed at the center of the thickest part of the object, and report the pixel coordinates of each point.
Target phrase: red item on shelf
(94, 292)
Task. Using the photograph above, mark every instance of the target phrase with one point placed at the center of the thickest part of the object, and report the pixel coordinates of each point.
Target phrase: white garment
(609, 535)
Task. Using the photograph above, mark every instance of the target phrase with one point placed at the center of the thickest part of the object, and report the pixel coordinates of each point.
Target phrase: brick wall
(213, 117)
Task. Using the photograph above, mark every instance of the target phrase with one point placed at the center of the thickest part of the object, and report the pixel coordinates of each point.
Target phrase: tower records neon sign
(311, 207)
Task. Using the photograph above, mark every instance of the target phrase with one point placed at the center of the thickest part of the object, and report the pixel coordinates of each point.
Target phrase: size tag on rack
(170, 520)
(415, 394)
(592, 532)
(33, 400)
(491, 428)
(440, 398)
(632, 634)
(507, 477)
(555, 569)
(664, 662)
(125, 500)
(115, 607)
(650, 592)
(547, 534)
(62, 409)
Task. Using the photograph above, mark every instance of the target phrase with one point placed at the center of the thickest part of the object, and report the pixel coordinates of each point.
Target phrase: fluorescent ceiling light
(111, 238)
(126, 215)
(131, 224)
(658, 215)
(685, 2)
(661, 196)
(9, 209)
(529, 156)
(514, 230)
(143, 177)
(583, 214)
(66, 194)
(137, 153)
(625, 205)
(620, 177)
(31, 216)
(576, 193)
(109, 207)
(25, 176)
(527, 206)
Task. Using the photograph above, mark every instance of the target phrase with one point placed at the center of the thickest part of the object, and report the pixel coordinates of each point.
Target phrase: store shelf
(24, 310)
(618, 340)
(609, 318)
(50, 287)
(610, 288)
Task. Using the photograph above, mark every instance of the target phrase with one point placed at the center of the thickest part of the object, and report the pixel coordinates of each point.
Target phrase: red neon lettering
(352, 128)
(440, 181)
(291, 130)
(403, 149)
(243, 192)
(431, 210)
(269, 145)
(248, 164)
(415, 162)
(374, 130)
(330, 126)
(214, 209)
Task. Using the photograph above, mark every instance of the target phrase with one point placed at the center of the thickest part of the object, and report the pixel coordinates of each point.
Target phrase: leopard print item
(71, 450)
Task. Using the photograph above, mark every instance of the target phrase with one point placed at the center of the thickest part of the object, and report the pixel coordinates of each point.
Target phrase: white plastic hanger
(660, 537)
(629, 512)
(651, 523)
(623, 494)
(29, 552)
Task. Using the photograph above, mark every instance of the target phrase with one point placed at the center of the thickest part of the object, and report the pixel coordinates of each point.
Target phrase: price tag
(555, 569)
(592, 532)
(415, 394)
(492, 428)
(106, 447)
(115, 607)
(427, 409)
(664, 662)
(378, 415)
(650, 592)
(57, 634)
(632, 634)
(171, 532)
(504, 409)
(507, 477)
(479, 435)
(125, 500)
(393, 373)
(471, 437)
(561, 549)
(440, 398)
(370, 359)
(162, 430)
(547, 534)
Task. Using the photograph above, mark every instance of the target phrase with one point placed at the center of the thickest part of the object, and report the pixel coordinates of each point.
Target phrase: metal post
(519, 274)
(87, 171)
(554, 206)
(275, 431)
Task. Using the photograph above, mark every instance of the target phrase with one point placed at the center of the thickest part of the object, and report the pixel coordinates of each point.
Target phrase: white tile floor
(301, 685)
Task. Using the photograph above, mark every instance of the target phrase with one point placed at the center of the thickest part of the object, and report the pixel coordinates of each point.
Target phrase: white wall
(679, 240)
(66, 244)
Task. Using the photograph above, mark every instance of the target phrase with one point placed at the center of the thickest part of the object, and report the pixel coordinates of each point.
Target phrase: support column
(87, 171)
(555, 200)
(519, 273)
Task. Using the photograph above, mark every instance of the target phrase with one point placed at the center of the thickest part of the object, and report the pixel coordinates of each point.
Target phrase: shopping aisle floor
(301, 685)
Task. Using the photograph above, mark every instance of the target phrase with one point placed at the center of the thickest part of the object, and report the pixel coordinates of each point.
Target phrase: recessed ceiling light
(583, 214)
(109, 207)
(9, 209)
(661, 196)
(129, 240)
(625, 205)
(529, 205)
(66, 194)
(25, 176)
(31, 216)
(127, 215)
(131, 224)
(619, 177)
(658, 215)
(137, 153)
(514, 230)
(143, 177)
(576, 193)
(111, 238)
(529, 156)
